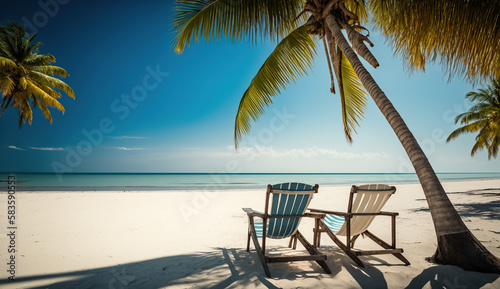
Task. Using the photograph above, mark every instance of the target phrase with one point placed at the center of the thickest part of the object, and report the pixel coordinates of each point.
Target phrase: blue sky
(140, 107)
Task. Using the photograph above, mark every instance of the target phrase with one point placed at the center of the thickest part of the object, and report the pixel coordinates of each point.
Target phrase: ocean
(208, 181)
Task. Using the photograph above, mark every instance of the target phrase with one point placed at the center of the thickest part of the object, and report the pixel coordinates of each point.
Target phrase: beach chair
(288, 204)
(365, 203)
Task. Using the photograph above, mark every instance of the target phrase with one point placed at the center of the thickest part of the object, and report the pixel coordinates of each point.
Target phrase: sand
(179, 239)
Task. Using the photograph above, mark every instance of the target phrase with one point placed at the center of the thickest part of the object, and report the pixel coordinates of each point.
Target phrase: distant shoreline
(206, 187)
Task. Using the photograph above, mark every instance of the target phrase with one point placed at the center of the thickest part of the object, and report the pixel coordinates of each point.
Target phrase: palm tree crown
(482, 118)
(285, 22)
(26, 77)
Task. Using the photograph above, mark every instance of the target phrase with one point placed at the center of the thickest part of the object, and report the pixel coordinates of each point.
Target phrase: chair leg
(386, 246)
(354, 240)
(317, 234)
(315, 237)
(253, 234)
(293, 242)
(313, 251)
(341, 245)
(248, 240)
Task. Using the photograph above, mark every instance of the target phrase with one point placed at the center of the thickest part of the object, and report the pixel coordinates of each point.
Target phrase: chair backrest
(366, 199)
(288, 199)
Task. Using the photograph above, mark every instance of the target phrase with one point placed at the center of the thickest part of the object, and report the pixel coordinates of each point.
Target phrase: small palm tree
(26, 77)
(483, 118)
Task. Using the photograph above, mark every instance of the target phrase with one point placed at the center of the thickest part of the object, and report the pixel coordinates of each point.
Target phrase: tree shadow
(483, 192)
(235, 267)
(486, 210)
(446, 276)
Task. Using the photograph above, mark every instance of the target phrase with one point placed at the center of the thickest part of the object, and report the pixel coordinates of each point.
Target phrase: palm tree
(26, 76)
(292, 57)
(483, 118)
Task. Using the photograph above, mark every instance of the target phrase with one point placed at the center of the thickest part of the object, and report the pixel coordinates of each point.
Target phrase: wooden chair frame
(321, 227)
(314, 255)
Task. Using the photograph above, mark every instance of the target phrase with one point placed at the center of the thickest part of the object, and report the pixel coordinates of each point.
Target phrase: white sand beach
(179, 239)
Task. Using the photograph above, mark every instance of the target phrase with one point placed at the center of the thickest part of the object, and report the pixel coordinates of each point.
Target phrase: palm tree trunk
(455, 243)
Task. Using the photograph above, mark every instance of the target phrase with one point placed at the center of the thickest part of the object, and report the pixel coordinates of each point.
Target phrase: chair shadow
(367, 277)
(220, 269)
(446, 276)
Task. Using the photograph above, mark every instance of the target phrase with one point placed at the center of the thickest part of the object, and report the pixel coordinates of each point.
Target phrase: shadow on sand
(228, 267)
(236, 268)
(181, 271)
(220, 268)
(451, 277)
(486, 210)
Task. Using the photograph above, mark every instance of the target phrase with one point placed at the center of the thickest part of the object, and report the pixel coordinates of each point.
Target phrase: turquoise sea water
(196, 181)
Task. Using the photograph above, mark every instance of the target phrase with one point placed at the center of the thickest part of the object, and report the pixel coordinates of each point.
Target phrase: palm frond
(51, 70)
(353, 98)
(34, 90)
(494, 146)
(43, 108)
(6, 102)
(7, 64)
(471, 115)
(463, 36)
(26, 112)
(218, 19)
(52, 82)
(359, 8)
(35, 60)
(291, 59)
(6, 86)
(479, 145)
(471, 127)
(481, 95)
(47, 89)
(483, 140)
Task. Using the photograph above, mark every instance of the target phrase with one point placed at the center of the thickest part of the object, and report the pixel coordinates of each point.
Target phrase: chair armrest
(285, 216)
(375, 214)
(353, 214)
(389, 213)
(329, 212)
(253, 213)
(314, 215)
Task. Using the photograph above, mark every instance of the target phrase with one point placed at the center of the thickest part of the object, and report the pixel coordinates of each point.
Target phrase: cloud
(47, 148)
(311, 152)
(127, 149)
(128, 137)
(38, 148)
(15, 148)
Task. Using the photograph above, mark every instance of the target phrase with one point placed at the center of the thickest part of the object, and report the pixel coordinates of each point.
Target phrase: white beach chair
(365, 203)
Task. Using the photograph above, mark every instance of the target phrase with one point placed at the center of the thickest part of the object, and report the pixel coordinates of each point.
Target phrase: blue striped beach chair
(285, 206)
(365, 203)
